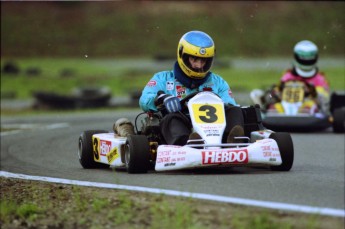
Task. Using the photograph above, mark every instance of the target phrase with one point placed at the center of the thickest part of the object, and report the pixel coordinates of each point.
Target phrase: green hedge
(151, 28)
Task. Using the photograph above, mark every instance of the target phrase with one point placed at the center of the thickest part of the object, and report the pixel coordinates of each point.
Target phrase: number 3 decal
(210, 113)
(95, 148)
(210, 116)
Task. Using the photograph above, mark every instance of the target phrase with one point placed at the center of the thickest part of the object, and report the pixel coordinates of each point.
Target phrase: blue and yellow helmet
(197, 44)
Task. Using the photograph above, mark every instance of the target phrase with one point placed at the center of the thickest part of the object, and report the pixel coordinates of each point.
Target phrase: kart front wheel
(286, 150)
(339, 120)
(85, 150)
(137, 154)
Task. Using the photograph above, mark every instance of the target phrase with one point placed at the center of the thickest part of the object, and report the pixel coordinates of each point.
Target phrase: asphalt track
(46, 145)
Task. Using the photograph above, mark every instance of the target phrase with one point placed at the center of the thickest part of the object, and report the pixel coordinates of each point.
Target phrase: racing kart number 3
(208, 113)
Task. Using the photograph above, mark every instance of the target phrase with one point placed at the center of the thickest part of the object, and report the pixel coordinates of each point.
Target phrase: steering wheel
(185, 100)
(184, 108)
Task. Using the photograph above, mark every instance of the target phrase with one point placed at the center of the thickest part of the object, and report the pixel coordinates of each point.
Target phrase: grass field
(32, 204)
(61, 75)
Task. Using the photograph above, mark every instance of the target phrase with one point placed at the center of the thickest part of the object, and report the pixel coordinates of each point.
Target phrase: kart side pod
(100, 149)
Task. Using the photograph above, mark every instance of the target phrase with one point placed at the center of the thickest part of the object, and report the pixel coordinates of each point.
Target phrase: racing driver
(304, 70)
(190, 73)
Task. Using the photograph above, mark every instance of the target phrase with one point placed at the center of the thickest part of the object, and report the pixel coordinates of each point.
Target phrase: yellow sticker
(112, 155)
(208, 113)
(293, 92)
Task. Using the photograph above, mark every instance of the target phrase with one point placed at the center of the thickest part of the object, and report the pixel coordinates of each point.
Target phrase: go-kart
(289, 112)
(146, 149)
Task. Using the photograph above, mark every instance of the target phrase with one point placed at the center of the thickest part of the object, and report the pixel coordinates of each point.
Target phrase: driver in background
(190, 73)
(304, 70)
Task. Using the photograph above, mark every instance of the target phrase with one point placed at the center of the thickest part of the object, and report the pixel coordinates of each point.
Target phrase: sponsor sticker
(180, 91)
(151, 83)
(163, 160)
(212, 132)
(177, 159)
(169, 164)
(170, 85)
(207, 89)
(230, 93)
(267, 154)
(104, 147)
(112, 155)
(266, 148)
(231, 156)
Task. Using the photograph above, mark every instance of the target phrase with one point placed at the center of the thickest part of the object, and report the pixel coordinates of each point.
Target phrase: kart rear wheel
(339, 120)
(286, 149)
(137, 154)
(85, 150)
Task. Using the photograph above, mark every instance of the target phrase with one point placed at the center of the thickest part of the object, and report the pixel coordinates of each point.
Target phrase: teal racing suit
(166, 81)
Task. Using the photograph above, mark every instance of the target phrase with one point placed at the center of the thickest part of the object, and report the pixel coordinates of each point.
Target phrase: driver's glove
(171, 103)
(310, 90)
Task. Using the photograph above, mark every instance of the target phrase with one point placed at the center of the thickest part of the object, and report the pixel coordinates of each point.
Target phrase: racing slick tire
(85, 150)
(137, 154)
(339, 120)
(286, 149)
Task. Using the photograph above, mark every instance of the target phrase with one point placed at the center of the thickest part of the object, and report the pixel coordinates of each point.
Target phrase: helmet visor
(306, 61)
(197, 64)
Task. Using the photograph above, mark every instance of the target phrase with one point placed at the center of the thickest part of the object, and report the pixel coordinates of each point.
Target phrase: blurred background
(150, 28)
(57, 46)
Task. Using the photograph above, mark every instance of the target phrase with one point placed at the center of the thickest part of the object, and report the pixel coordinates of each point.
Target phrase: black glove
(311, 90)
(171, 103)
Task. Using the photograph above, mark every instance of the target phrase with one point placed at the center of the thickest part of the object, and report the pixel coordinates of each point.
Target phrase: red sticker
(151, 83)
(230, 93)
(104, 147)
(180, 92)
(225, 157)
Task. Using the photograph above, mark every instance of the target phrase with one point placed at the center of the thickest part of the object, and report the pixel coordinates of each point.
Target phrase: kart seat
(252, 119)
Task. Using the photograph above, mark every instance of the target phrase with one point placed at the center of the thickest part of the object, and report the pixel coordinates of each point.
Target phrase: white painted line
(18, 128)
(57, 126)
(5, 133)
(223, 199)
